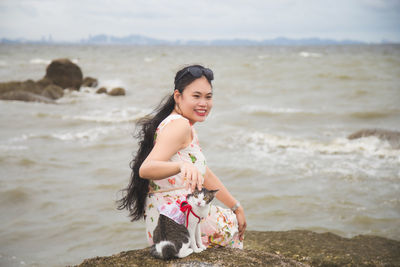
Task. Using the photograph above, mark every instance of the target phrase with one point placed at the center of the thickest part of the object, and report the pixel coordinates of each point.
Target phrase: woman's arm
(212, 182)
(169, 141)
(175, 136)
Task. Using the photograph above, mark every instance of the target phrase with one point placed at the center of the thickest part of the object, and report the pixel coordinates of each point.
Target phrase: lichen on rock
(288, 248)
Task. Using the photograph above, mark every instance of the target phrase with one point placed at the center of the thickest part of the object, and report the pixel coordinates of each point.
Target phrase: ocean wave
(309, 54)
(6, 148)
(3, 63)
(263, 110)
(261, 57)
(373, 114)
(86, 135)
(40, 61)
(91, 135)
(270, 143)
(115, 115)
(112, 83)
(259, 110)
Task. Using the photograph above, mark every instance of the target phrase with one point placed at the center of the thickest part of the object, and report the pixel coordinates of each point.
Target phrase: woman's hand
(191, 176)
(241, 222)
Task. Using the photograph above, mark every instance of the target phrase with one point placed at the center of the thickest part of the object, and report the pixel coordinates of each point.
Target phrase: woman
(169, 163)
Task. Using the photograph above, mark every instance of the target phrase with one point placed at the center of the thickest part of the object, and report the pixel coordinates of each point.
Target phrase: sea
(276, 137)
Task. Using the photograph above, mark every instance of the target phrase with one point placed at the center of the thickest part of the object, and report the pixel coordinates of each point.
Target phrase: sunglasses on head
(197, 72)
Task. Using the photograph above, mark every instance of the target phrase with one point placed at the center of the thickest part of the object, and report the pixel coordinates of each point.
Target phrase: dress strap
(169, 119)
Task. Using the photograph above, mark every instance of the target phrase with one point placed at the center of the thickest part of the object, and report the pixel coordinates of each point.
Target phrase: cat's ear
(214, 192)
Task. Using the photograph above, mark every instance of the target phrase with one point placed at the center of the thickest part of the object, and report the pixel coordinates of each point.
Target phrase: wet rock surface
(392, 137)
(60, 74)
(64, 73)
(289, 248)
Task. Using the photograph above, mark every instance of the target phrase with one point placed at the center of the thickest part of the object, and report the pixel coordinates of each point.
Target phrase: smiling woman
(170, 164)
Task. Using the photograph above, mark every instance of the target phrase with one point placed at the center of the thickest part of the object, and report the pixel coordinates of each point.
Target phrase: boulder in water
(89, 82)
(64, 73)
(53, 91)
(117, 91)
(101, 90)
(25, 96)
(393, 137)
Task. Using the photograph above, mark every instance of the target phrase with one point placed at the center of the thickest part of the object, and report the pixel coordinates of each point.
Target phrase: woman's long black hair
(135, 194)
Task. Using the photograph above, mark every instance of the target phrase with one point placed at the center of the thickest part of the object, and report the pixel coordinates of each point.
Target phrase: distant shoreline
(103, 39)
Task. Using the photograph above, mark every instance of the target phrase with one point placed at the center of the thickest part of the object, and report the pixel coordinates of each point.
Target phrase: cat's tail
(164, 250)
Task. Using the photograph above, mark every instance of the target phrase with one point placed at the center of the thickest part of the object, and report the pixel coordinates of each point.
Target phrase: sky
(69, 20)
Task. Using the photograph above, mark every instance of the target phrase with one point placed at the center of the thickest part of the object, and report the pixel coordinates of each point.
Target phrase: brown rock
(52, 91)
(25, 96)
(64, 73)
(89, 82)
(287, 248)
(393, 137)
(28, 86)
(43, 83)
(101, 90)
(117, 91)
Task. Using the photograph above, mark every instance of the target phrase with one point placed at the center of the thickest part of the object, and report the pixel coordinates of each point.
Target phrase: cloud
(368, 20)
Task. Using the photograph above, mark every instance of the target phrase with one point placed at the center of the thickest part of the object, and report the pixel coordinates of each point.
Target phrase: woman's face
(195, 102)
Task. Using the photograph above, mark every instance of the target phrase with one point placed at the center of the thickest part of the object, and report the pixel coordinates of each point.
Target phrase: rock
(30, 91)
(43, 83)
(89, 82)
(289, 248)
(52, 91)
(211, 257)
(28, 86)
(25, 96)
(393, 137)
(64, 73)
(117, 91)
(101, 90)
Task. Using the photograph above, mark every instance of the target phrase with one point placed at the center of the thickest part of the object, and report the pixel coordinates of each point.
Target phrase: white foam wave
(309, 54)
(148, 59)
(115, 115)
(259, 110)
(370, 146)
(109, 84)
(6, 148)
(3, 63)
(263, 56)
(40, 61)
(90, 135)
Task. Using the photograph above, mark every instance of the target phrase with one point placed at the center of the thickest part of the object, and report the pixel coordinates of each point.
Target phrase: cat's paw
(197, 250)
(185, 252)
(203, 247)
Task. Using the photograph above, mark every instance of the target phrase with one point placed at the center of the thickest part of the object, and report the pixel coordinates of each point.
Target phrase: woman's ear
(177, 94)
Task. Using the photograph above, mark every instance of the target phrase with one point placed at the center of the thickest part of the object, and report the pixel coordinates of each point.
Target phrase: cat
(175, 238)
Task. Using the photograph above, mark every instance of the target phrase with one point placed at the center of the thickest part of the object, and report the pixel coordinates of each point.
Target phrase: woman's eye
(209, 97)
(196, 96)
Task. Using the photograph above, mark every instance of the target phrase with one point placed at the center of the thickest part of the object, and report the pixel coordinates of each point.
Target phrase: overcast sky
(70, 20)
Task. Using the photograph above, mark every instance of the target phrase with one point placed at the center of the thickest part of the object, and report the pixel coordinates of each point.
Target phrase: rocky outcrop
(60, 74)
(89, 82)
(393, 137)
(101, 90)
(25, 96)
(117, 91)
(64, 73)
(290, 248)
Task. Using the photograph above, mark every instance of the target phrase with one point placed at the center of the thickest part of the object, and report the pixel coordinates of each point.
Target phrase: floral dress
(220, 227)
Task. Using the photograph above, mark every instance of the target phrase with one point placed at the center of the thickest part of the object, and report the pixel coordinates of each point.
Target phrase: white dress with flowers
(220, 228)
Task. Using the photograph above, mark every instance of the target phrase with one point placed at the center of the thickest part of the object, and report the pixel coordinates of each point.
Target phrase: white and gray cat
(172, 239)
